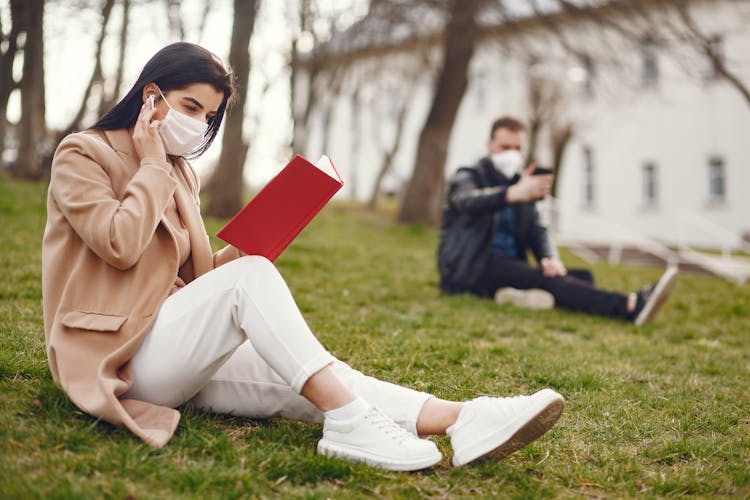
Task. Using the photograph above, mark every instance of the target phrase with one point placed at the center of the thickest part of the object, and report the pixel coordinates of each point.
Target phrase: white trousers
(233, 341)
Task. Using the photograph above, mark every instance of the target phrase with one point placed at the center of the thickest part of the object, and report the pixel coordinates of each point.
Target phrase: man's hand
(552, 266)
(530, 187)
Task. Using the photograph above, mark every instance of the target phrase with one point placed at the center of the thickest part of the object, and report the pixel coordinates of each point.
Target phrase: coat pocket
(97, 322)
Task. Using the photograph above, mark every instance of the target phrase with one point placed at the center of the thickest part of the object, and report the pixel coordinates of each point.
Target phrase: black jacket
(471, 213)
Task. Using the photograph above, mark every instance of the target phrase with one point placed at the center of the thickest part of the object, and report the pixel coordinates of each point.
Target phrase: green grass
(662, 410)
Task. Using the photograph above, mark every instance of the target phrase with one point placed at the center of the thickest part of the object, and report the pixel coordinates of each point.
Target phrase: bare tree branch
(96, 76)
(174, 19)
(704, 45)
(390, 152)
(108, 99)
(204, 17)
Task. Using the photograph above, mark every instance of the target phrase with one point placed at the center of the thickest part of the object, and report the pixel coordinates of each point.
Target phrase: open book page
(324, 164)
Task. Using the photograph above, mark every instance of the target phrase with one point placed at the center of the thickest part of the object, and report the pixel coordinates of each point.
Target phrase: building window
(583, 74)
(650, 61)
(588, 65)
(716, 56)
(650, 185)
(716, 179)
(480, 90)
(588, 178)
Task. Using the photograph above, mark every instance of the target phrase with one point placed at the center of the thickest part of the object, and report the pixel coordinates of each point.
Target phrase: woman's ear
(150, 90)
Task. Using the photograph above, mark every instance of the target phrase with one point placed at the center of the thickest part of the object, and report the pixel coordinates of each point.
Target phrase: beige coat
(109, 262)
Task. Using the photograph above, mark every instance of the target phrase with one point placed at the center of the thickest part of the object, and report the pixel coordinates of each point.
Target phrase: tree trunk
(8, 50)
(425, 190)
(535, 127)
(537, 108)
(299, 123)
(225, 187)
(560, 138)
(32, 127)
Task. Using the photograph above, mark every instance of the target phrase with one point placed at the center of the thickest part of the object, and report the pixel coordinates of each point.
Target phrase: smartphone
(543, 171)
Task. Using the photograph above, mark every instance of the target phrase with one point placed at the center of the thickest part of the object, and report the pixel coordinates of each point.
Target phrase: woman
(141, 317)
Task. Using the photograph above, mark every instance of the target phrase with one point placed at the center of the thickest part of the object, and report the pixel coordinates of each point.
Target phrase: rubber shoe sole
(661, 293)
(533, 298)
(374, 460)
(527, 427)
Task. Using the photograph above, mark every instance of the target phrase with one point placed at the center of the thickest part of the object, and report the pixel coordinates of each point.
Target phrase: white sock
(349, 410)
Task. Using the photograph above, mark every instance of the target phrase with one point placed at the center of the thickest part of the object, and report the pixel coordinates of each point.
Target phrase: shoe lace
(507, 404)
(387, 425)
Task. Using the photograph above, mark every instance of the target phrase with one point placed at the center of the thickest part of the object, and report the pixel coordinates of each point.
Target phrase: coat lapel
(200, 247)
(122, 142)
(187, 206)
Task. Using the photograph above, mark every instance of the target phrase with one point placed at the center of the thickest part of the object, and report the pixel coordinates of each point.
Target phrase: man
(490, 220)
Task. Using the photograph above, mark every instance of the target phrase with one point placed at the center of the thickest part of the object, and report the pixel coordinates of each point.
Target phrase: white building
(660, 145)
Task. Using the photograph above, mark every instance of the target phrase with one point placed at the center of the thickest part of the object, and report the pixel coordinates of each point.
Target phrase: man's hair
(509, 122)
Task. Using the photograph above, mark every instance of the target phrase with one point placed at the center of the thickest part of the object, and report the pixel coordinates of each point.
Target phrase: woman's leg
(246, 386)
(199, 328)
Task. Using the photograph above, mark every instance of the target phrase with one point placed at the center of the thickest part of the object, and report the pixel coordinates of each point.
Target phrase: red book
(277, 214)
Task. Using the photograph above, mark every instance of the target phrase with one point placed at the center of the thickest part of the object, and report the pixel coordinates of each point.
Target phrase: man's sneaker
(533, 298)
(500, 426)
(651, 298)
(375, 439)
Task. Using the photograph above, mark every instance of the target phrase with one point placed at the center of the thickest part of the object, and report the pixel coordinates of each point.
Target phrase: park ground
(661, 410)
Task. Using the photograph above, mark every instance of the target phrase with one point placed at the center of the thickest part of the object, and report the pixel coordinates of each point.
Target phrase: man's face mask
(508, 163)
(180, 133)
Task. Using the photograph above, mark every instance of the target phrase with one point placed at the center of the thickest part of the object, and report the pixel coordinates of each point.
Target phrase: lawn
(662, 410)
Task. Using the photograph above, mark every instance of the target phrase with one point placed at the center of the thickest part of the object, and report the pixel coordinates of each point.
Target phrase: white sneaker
(533, 298)
(375, 439)
(501, 426)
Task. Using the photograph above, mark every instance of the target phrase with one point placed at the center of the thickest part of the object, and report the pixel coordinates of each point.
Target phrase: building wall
(676, 125)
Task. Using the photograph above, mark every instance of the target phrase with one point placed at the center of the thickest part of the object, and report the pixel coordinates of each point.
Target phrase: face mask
(508, 163)
(180, 133)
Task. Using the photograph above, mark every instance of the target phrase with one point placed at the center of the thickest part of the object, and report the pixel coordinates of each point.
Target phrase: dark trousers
(574, 291)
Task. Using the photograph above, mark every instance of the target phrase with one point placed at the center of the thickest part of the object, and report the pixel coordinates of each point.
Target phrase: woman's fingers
(142, 120)
(146, 113)
(146, 134)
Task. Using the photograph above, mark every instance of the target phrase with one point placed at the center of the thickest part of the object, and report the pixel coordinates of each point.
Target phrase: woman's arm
(117, 229)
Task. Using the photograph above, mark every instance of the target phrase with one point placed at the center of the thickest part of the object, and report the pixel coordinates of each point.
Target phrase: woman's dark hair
(175, 67)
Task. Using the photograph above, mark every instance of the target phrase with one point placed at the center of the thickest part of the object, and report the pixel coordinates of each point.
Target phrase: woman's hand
(148, 143)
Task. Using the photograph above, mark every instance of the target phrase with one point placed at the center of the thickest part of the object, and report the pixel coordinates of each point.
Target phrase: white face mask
(508, 163)
(180, 133)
